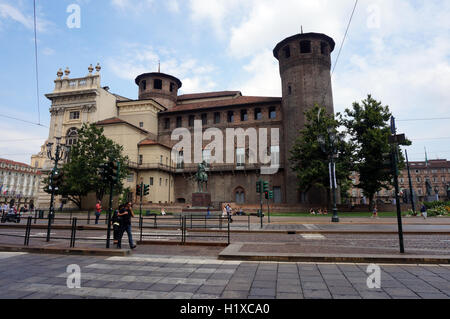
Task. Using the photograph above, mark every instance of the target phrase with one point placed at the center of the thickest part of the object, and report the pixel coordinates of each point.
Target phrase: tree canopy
(81, 173)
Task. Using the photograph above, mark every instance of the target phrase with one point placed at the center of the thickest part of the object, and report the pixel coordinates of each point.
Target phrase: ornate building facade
(19, 183)
(151, 128)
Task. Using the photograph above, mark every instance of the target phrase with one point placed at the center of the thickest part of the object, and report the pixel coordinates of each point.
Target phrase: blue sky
(397, 50)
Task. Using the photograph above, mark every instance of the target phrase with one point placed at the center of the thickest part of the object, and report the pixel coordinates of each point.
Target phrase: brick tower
(162, 88)
(305, 63)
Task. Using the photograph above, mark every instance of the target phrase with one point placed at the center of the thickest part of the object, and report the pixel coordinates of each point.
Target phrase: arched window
(71, 137)
(239, 195)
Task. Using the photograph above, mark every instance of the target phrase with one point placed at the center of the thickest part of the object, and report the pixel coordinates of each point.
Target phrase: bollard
(28, 231)
(35, 216)
(73, 234)
(229, 219)
(89, 217)
(140, 225)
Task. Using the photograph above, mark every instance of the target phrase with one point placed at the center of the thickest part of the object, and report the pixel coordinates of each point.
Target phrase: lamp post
(328, 146)
(61, 153)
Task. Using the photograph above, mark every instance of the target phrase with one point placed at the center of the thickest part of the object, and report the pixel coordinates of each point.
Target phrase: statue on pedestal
(429, 187)
(202, 177)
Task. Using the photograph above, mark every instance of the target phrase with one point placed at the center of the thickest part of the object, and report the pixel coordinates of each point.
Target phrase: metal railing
(179, 228)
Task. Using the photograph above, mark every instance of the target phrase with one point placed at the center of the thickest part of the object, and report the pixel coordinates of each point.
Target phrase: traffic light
(387, 163)
(258, 186)
(270, 194)
(138, 190)
(105, 172)
(115, 170)
(146, 190)
(265, 186)
(57, 179)
(266, 195)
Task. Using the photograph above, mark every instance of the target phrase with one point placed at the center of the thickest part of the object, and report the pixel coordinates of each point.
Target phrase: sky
(398, 51)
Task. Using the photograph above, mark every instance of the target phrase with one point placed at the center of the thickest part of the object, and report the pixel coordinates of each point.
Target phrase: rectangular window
(216, 118)
(166, 182)
(244, 116)
(240, 157)
(305, 46)
(204, 119)
(130, 178)
(161, 160)
(144, 85)
(191, 120)
(141, 159)
(230, 116)
(157, 84)
(180, 160)
(258, 114)
(275, 155)
(207, 156)
(160, 181)
(141, 124)
(272, 113)
(287, 52)
(179, 121)
(167, 124)
(323, 48)
(151, 181)
(172, 86)
(75, 115)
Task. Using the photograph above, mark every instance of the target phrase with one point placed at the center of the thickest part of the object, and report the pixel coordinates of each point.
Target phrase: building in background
(19, 183)
(436, 171)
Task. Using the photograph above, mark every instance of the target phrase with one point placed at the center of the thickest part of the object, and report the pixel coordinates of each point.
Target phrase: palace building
(146, 126)
(19, 183)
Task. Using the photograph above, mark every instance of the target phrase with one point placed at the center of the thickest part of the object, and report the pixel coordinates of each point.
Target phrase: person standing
(423, 211)
(127, 214)
(98, 211)
(116, 224)
(375, 212)
(163, 212)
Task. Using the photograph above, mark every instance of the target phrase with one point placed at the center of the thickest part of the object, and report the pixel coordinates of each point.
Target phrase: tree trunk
(76, 201)
(371, 202)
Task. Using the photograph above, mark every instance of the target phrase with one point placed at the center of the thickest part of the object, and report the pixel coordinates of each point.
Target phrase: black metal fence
(164, 228)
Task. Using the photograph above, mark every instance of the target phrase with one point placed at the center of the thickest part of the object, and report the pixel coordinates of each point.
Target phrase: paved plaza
(194, 277)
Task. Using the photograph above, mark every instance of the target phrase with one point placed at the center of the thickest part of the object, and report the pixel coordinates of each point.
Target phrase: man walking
(126, 214)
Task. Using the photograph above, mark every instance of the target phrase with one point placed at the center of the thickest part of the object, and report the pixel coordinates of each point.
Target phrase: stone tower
(162, 88)
(305, 63)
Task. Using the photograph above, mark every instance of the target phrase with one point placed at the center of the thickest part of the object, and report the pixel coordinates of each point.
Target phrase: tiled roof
(149, 141)
(241, 100)
(439, 163)
(13, 164)
(208, 95)
(116, 120)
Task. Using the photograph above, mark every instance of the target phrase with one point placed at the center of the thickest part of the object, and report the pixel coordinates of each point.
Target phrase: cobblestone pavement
(189, 277)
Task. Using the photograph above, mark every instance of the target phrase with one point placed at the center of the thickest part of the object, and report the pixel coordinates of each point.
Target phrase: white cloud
(132, 5)
(173, 6)
(10, 12)
(137, 59)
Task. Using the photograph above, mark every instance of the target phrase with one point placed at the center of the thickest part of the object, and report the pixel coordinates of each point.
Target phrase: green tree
(309, 160)
(81, 173)
(368, 125)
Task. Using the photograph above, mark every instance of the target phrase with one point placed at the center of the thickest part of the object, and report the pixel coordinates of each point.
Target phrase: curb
(66, 251)
(177, 243)
(232, 253)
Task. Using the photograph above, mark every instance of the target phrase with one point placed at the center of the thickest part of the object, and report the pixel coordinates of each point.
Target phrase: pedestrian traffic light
(265, 186)
(138, 190)
(266, 195)
(270, 194)
(146, 190)
(258, 187)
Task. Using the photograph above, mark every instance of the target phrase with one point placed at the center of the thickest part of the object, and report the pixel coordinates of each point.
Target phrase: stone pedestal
(201, 200)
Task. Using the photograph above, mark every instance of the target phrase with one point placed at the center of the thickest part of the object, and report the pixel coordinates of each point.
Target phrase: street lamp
(328, 146)
(61, 153)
